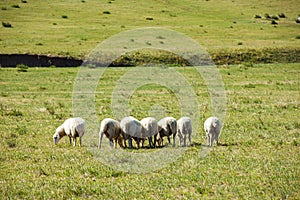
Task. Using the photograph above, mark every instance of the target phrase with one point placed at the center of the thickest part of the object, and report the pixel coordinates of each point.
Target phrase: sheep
(149, 128)
(111, 129)
(212, 127)
(131, 128)
(72, 127)
(184, 129)
(166, 127)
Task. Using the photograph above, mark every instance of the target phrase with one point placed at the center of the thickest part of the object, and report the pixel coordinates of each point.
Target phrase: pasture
(74, 28)
(258, 157)
(259, 154)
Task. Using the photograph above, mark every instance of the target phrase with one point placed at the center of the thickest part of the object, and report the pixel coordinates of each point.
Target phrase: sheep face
(56, 138)
(59, 133)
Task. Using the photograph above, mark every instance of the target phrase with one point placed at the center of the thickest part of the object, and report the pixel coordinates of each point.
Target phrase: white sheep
(131, 128)
(149, 129)
(184, 130)
(111, 129)
(72, 127)
(212, 127)
(166, 127)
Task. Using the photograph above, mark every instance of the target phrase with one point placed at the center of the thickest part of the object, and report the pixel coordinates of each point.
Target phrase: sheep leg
(154, 140)
(150, 141)
(100, 140)
(74, 139)
(210, 140)
(169, 140)
(138, 140)
(115, 144)
(130, 142)
(184, 140)
(174, 139)
(111, 143)
(70, 140)
(217, 138)
(80, 141)
(190, 139)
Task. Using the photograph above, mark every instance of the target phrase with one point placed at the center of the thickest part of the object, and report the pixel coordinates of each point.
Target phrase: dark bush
(275, 17)
(23, 1)
(149, 18)
(267, 16)
(6, 25)
(281, 15)
(22, 68)
(257, 16)
(106, 12)
(64, 16)
(15, 6)
(274, 22)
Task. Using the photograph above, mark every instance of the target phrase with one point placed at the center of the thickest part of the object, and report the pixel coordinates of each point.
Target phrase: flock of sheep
(129, 128)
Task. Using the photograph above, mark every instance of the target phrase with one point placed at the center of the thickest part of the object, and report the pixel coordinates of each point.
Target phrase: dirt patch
(12, 60)
(222, 57)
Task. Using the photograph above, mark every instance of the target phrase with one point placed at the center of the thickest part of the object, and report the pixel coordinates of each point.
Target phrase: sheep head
(59, 133)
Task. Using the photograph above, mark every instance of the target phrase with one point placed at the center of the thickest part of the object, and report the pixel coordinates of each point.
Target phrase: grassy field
(258, 157)
(74, 28)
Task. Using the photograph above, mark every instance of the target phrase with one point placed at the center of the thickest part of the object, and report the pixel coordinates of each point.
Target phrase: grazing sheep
(72, 127)
(212, 127)
(166, 127)
(131, 128)
(111, 129)
(184, 129)
(150, 128)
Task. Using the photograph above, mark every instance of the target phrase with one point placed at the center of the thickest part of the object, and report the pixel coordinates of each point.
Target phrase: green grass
(74, 28)
(258, 159)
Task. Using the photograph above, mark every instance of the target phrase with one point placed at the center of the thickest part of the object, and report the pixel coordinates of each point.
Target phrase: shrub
(15, 6)
(275, 17)
(23, 1)
(274, 22)
(257, 16)
(149, 18)
(64, 16)
(3, 8)
(22, 68)
(6, 25)
(298, 37)
(281, 15)
(106, 12)
(240, 43)
(267, 16)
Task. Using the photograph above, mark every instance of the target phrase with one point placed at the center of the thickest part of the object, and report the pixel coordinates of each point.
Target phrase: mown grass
(258, 157)
(74, 28)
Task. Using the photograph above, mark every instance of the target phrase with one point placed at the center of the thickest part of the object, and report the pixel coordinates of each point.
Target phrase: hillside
(74, 28)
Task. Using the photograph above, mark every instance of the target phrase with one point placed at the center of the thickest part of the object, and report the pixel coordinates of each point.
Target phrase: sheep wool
(131, 128)
(73, 128)
(111, 129)
(166, 127)
(184, 130)
(149, 129)
(212, 127)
